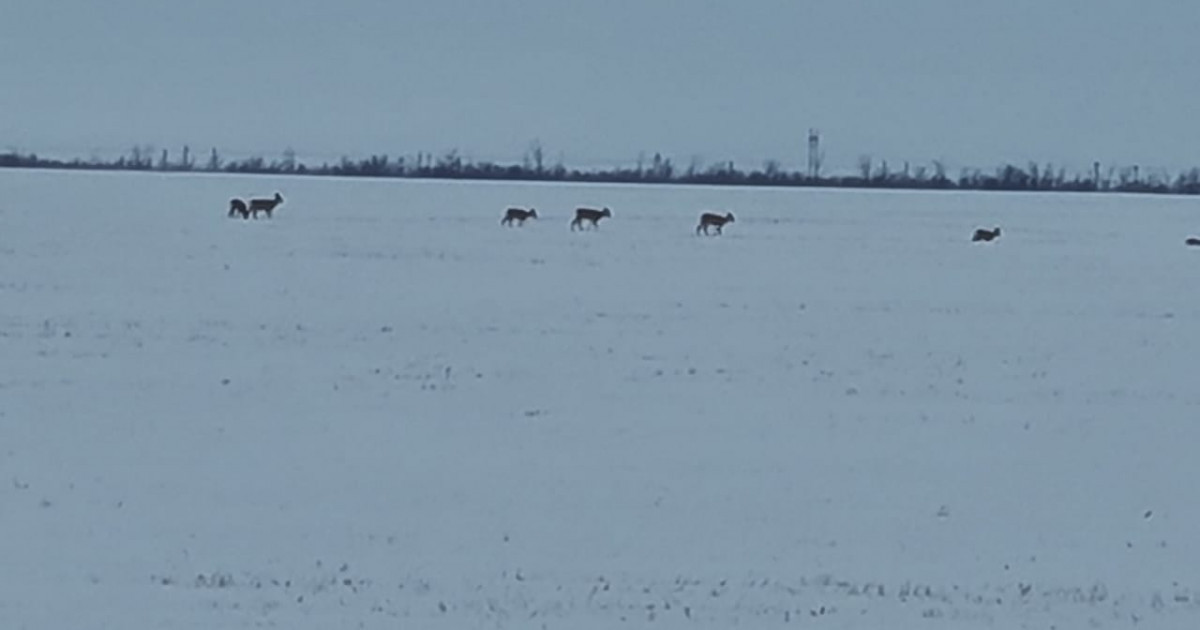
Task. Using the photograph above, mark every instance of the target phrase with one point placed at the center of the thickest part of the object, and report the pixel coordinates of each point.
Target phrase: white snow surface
(381, 409)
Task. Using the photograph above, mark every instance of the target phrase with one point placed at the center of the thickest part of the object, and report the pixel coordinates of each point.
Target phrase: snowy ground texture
(381, 409)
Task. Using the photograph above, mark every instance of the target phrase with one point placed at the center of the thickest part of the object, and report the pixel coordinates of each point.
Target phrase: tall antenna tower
(814, 153)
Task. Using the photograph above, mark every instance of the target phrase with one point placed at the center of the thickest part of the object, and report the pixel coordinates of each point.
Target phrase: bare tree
(939, 171)
(662, 169)
(288, 165)
(884, 174)
(142, 156)
(535, 150)
(864, 167)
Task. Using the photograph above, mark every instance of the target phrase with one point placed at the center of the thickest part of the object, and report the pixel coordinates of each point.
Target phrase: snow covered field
(383, 410)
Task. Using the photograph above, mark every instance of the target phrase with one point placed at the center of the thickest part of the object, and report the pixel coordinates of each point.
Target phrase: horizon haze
(598, 83)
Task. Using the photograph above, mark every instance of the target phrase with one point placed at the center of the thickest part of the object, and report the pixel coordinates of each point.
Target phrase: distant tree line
(655, 170)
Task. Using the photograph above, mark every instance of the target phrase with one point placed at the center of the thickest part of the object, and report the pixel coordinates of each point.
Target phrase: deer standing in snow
(236, 207)
(265, 205)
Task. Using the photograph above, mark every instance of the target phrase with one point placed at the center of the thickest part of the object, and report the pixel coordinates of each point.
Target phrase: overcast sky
(967, 81)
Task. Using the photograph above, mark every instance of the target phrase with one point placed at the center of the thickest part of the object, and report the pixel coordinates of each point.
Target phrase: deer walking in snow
(519, 215)
(591, 215)
(710, 219)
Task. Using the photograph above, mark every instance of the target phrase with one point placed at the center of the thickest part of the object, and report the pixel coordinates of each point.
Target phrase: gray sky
(966, 81)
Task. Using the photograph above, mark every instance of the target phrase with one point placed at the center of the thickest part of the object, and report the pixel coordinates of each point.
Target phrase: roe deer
(1193, 241)
(519, 215)
(236, 207)
(265, 205)
(589, 214)
(715, 220)
(985, 235)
